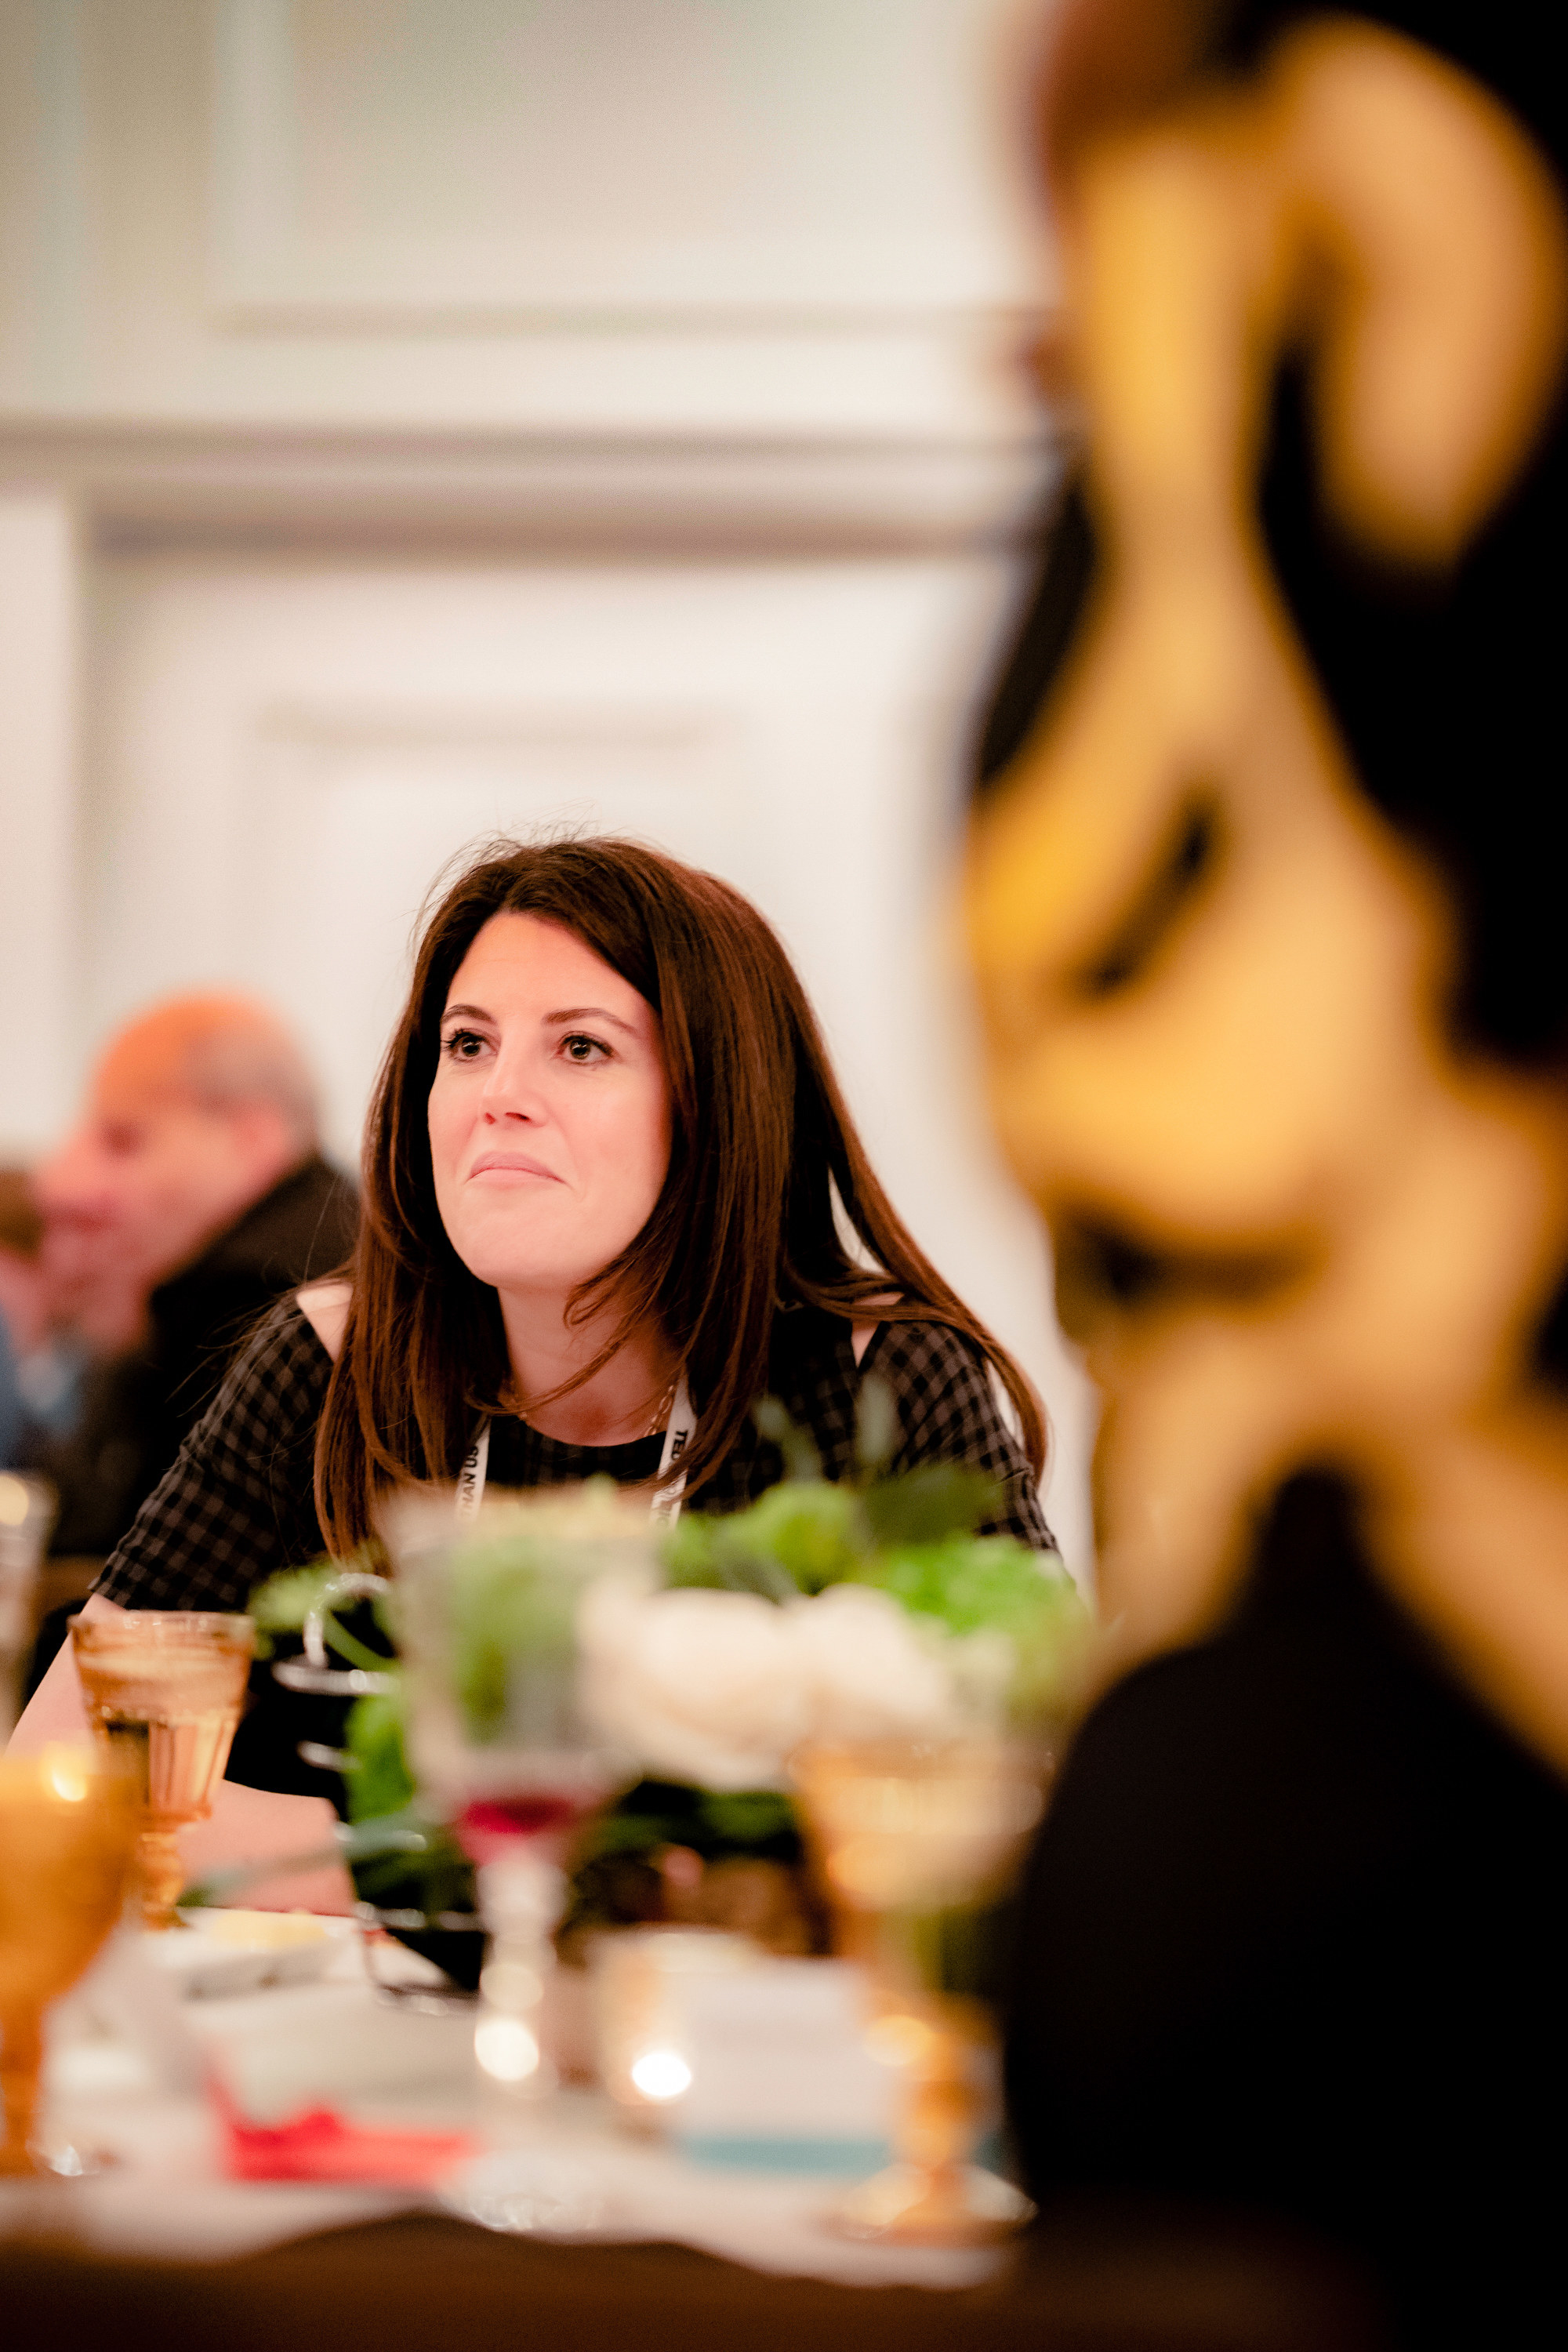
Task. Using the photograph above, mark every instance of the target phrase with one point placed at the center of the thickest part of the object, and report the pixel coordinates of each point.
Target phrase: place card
(780, 2078)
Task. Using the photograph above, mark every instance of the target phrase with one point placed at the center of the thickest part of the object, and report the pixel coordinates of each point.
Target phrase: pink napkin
(320, 2146)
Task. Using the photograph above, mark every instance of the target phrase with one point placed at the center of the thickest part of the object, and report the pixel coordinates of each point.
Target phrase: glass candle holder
(636, 1973)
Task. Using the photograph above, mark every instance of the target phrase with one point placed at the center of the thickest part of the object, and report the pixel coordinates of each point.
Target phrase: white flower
(703, 1686)
(983, 1664)
(874, 1673)
(720, 1688)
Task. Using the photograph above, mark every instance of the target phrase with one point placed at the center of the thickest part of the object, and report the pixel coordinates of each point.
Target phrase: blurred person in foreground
(1265, 901)
(190, 1193)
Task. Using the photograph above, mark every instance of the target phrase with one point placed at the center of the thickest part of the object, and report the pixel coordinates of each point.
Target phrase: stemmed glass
(499, 1740)
(164, 1688)
(67, 1835)
(905, 1833)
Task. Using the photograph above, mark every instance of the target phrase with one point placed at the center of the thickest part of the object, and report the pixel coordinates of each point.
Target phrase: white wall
(726, 215)
(417, 420)
(285, 754)
(41, 997)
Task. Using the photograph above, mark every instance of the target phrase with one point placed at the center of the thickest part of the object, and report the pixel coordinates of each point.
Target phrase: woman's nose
(511, 1089)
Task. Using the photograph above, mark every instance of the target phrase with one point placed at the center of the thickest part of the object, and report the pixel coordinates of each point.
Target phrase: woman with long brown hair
(613, 1197)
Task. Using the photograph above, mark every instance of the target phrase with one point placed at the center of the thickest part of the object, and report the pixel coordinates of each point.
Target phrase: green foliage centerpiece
(862, 1609)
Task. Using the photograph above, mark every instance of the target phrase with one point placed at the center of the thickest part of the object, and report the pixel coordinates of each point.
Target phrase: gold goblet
(164, 1688)
(904, 1834)
(67, 1833)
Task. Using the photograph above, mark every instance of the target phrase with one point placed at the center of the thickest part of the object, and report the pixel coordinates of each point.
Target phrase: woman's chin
(536, 1263)
(535, 1277)
(496, 1250)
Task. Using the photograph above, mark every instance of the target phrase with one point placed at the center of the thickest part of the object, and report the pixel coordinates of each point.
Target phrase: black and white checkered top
(239, 1503)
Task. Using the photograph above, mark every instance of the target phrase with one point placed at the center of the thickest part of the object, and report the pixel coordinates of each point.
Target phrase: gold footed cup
(903, 1833)
(931, 2194)
(162, 1874)
(67, 1833)
(163, 1690)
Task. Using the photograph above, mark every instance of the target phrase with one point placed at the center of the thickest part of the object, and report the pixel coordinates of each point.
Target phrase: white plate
(217, 1952)
(531, 2193)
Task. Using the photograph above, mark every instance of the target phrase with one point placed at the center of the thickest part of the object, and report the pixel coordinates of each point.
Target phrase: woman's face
(549, 1110)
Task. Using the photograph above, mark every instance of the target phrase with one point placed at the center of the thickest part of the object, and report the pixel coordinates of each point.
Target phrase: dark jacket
(140, 1406)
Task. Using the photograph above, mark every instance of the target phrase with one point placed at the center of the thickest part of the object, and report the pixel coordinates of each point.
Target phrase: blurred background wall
(419, 418)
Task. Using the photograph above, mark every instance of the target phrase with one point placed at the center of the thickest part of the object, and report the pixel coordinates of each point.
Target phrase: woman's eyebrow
(464, 1013)
(587, 1012)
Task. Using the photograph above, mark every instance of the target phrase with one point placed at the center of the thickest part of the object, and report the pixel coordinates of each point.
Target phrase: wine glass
(905, 1832)
(164, 1688)
(498, 1737)
(67, 1834)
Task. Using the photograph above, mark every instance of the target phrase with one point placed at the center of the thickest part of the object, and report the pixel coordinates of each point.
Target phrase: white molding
(267, 275)
(338, 724)
(167, 483)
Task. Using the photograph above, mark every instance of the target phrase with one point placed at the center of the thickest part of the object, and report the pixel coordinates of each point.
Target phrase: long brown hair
(762, 1152)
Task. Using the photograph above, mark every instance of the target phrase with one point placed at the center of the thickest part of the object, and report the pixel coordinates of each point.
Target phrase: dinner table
(271, 2164)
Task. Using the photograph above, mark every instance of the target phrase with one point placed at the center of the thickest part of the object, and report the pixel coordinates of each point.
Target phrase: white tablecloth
(128, 2059)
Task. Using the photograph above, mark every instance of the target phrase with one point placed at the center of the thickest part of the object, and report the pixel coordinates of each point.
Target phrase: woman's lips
(511, 1164)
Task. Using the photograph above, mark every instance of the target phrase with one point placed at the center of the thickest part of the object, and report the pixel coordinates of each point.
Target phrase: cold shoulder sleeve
(948, 1412)
(237, 1503)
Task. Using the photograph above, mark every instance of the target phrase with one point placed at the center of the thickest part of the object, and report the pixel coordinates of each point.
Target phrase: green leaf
(688, 1552)
(796, 1537)
(284, 1602)
(511, 1618)
(937, 1499)
(374, 1735)
(749, 1817)
(801, 1458)
(618, 1832)
(282, 1605)
(992, 1584)
(876, 1425)
(977, 1582)
(658, 1813)
(433, 1877)
(817, 1533)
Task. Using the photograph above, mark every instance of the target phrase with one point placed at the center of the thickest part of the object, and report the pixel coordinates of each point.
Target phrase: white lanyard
(667, 1500)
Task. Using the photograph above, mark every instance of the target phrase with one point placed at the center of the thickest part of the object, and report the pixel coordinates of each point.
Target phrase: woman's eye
(584, 1050)
(462, 1045)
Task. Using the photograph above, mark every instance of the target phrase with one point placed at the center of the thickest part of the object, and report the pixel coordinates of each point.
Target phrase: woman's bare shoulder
(862, 1334)
(325, 1307)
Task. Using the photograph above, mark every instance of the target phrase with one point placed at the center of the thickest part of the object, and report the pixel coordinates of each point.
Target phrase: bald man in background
(190, 1193)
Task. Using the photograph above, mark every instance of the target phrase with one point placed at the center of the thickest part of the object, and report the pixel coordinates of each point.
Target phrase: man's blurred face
(146, 1178)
